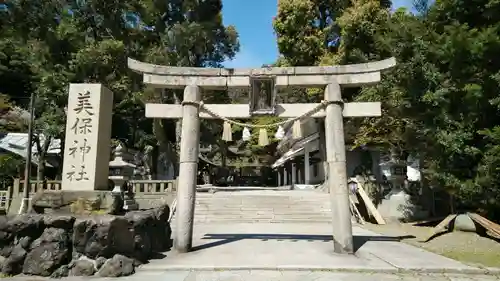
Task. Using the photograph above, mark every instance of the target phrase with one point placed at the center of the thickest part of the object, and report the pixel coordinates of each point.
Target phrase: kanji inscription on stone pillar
(88, 137)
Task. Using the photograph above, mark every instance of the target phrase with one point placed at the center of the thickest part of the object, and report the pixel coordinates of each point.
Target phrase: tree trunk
(154, 163)
(42, 152)
(426, 188)
(60, 159)
(165, 145)
(40, 173)
(178, 131)
(223, 158)
(223, 152)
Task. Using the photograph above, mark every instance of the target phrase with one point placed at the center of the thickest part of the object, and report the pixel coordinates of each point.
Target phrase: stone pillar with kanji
(88, 138)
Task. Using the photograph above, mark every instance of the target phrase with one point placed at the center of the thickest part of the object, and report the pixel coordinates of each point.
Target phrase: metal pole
(27, 170)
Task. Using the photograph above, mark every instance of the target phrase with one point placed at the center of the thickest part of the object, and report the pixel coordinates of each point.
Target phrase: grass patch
(485, 259)
(100, 212)
(468, 248)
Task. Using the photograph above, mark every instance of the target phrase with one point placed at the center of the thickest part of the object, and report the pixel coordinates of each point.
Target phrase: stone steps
(262, 206)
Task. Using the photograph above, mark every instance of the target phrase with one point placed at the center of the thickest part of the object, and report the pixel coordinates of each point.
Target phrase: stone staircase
(262, 206)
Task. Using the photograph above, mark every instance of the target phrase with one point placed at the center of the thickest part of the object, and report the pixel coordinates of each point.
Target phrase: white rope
(202, 106)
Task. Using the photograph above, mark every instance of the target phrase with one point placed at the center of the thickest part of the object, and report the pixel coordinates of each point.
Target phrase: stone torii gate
(193, 80)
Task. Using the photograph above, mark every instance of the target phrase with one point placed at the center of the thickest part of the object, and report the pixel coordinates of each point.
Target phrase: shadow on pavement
(358, 240)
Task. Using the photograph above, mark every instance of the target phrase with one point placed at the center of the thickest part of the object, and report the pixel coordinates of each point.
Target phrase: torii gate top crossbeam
(179, 77)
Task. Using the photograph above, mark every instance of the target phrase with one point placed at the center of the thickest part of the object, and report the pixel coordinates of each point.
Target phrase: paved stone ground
(300, 246)
(263, 275)
(259, 275)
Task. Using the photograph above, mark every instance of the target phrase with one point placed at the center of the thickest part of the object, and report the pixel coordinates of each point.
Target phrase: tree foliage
(46, 45)
(441, 100)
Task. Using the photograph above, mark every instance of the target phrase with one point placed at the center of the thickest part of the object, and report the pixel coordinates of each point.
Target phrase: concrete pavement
(263, 275)
(300, 246)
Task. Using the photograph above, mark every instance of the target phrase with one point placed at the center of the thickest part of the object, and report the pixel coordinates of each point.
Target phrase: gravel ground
(466, 247)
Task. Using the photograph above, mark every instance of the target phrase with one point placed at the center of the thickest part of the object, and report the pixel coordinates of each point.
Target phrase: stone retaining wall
(62, 245)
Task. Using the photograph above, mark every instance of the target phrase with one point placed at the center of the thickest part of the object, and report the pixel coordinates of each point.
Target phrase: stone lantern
(120, 172)
(395, 171)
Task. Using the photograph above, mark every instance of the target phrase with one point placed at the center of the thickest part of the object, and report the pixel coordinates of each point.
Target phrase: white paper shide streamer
(246, 134)
(280, 133)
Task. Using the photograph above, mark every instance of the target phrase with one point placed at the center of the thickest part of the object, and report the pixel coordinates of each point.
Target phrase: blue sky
(253, 20)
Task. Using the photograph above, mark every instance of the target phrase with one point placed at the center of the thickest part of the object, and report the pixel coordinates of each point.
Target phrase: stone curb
(466, 271)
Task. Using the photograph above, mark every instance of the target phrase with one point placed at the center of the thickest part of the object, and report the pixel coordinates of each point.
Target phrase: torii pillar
(337, 170)
(330, 77)
(188, 168)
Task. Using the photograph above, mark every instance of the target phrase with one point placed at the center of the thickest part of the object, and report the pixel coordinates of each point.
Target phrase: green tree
(11, 120)
(192, 35)
(11, 166)
(440, 101)
(46, 45)
(306, 30)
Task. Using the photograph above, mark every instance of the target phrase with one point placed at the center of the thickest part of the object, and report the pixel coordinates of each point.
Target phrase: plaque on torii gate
(259, 80)
(262, 96)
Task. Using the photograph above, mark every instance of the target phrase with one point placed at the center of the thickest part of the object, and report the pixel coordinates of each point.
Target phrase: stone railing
(153, 186)
(148, 189)
(18, 186)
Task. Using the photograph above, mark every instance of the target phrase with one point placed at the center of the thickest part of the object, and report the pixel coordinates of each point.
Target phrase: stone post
(279, 177)
(307, 165)
(285, 177)
(88, 138)
(188, 166)
(294, 174)
(337, 171)
(299, 175)
(323, 171)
